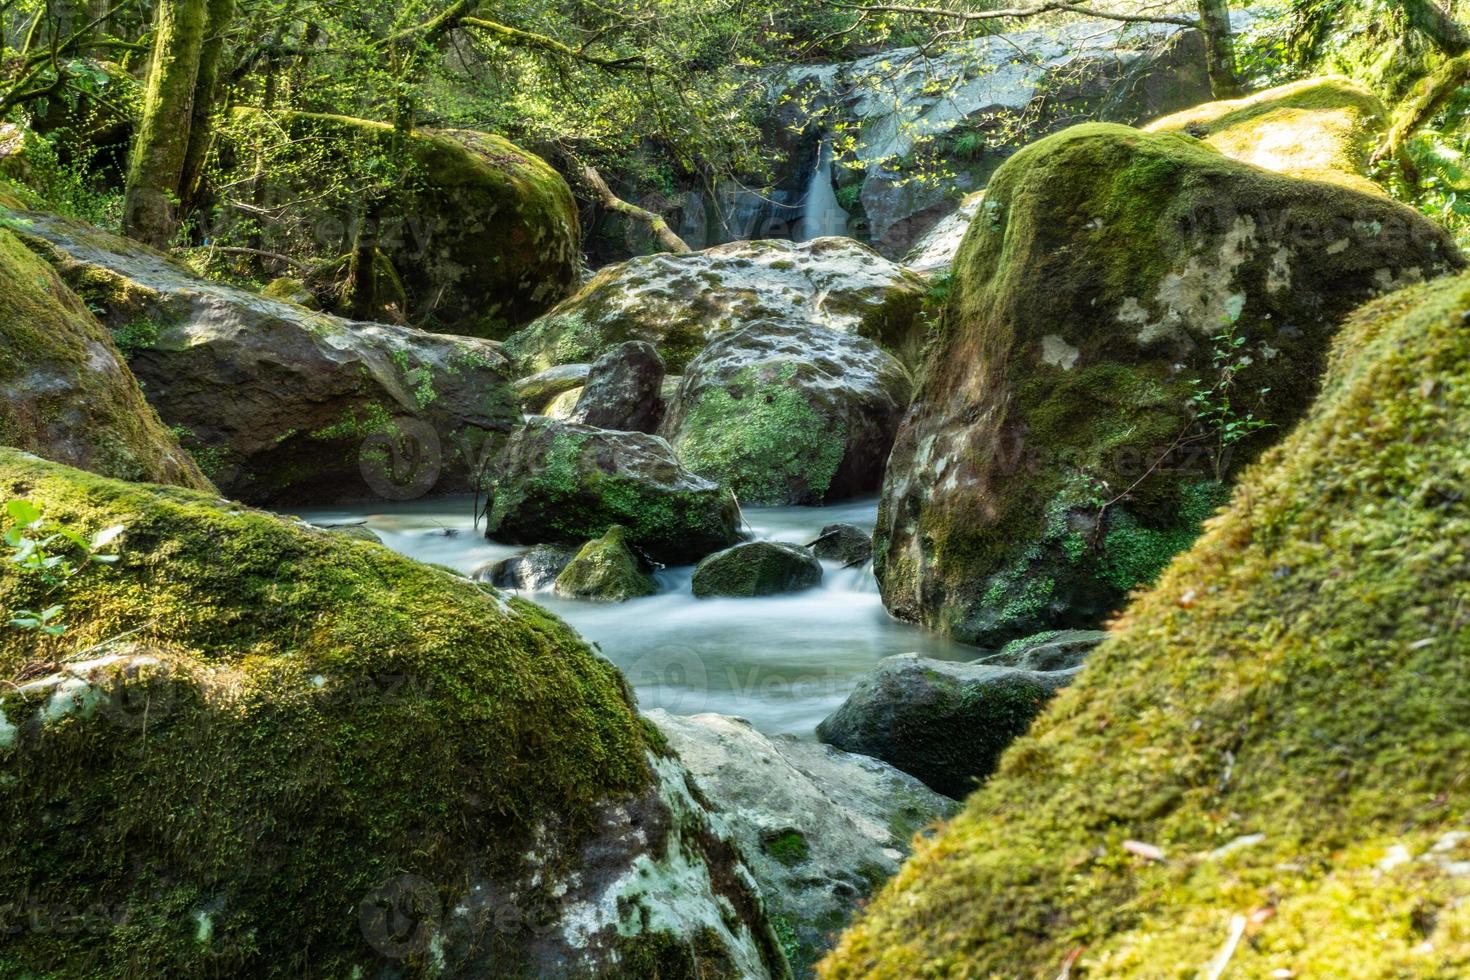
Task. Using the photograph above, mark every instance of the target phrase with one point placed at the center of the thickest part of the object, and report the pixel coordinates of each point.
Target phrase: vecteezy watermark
(402, 462)
(670, 677)
(61, 918)
(401, 917)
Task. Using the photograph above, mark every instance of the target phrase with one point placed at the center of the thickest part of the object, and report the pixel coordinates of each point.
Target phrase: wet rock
(533, 571)
(679, 303)
(1072, 430)
(1053, 650)
(821, 829)
(605, 570)
(757, 568)
(622, 390)
(787, 413)
(559, 481)
(945, 723)
(845, 543)
(283, 404)
(540, 389)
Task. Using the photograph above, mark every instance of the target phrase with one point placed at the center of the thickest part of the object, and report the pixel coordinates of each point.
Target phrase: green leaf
(22, 511)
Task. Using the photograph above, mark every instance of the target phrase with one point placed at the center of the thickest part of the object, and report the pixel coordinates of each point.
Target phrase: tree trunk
(157, 161)
(221, 12)
(1447, 33)
(1214, 17)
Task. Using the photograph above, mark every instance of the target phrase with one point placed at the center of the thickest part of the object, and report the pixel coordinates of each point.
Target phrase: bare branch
(1021, 13)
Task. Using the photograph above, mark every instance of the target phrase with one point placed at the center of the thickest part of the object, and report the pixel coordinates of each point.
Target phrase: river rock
(1319, 129)
(559, 481)
(1067, 440)
(820, 829)
(787, 413)
(542, 388)
(1286, 704)
(485, 239)
(1050, 651)
(282, 404)
(313, 702)
(622, 390)
(678, 303)
(945, 723)
(845, 543)
(65, 391)
(757, 568)
(355, 532)
(605, 570)
(533, 571)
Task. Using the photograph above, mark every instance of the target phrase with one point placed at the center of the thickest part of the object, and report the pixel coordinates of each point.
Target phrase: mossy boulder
(292, 291)
(787, 413)
(1134, 316)
(559, 481)
(606, 570)
(1319, 129)
(65, 391)
(757, 568)
(845, 543)
(1282, 717)
(279, 403)
(944, 723)
(678, 303)
(264, 750)
(483, 234)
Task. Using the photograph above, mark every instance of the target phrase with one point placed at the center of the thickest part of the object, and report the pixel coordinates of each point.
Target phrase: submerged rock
(318, 710)
(945, 723)
(1282, 719)
(622, 390)
(787, 413)
(282, 404)
(534, 571)
(820, 829)
(1319, 129)
(65, 391)
(845, 543)
(757, 568)
(679, 303)
(558, 481)
(605, 570)
(540, 389)
(484, 239)
(1133, 317)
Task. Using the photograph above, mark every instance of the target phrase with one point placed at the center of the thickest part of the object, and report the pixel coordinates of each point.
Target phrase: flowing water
(784, 662)
(821, 215)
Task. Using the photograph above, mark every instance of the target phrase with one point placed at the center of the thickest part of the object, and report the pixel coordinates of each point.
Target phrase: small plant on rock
(54, 554)
(1213, 399)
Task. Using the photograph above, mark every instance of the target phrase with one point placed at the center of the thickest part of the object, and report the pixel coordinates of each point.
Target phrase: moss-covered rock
(484, 235)
(757, 568)
(787, 413)
(1283, 717)
(281, 404)
(678, 303)
(1133, 317)
(558, 481)
(297, 738)
(1319, 129)
(292, 291)
(845, 543)
(605, 570)
(65, 391)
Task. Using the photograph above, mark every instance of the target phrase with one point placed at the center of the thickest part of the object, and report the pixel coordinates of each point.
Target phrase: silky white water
(783, 662)
(821, 215)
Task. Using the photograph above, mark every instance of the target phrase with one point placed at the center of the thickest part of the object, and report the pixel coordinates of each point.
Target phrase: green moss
(137, 335)
(321, 716)
(789, 847)
(762, 438)
(605, 570)
(756, 568)
(1284, 714)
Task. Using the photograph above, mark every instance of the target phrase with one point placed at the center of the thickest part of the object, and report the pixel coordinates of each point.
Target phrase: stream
(782, 662)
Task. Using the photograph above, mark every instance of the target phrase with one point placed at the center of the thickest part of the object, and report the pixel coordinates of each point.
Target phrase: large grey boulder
(678, 303)
(789, 413)
(622, 390)
(282, 404)
(559, 481)
(757, 568)
(946, 723)
(820, 829)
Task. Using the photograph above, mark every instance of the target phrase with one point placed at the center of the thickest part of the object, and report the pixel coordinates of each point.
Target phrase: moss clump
(67, 393)
(789, 847)
(1320, 129)
(1120, 287)
(1283, 715)
(757, 568)
(605, 570)
(313, 716)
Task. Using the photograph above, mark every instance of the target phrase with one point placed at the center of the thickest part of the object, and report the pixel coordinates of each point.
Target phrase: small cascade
(821, 215)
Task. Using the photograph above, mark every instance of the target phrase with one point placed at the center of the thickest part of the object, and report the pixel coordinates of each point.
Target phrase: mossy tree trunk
(1214, 16)
(211, 54)
(157, 162)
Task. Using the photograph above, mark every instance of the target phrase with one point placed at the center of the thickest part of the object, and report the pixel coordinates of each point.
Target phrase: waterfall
(821, 215)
